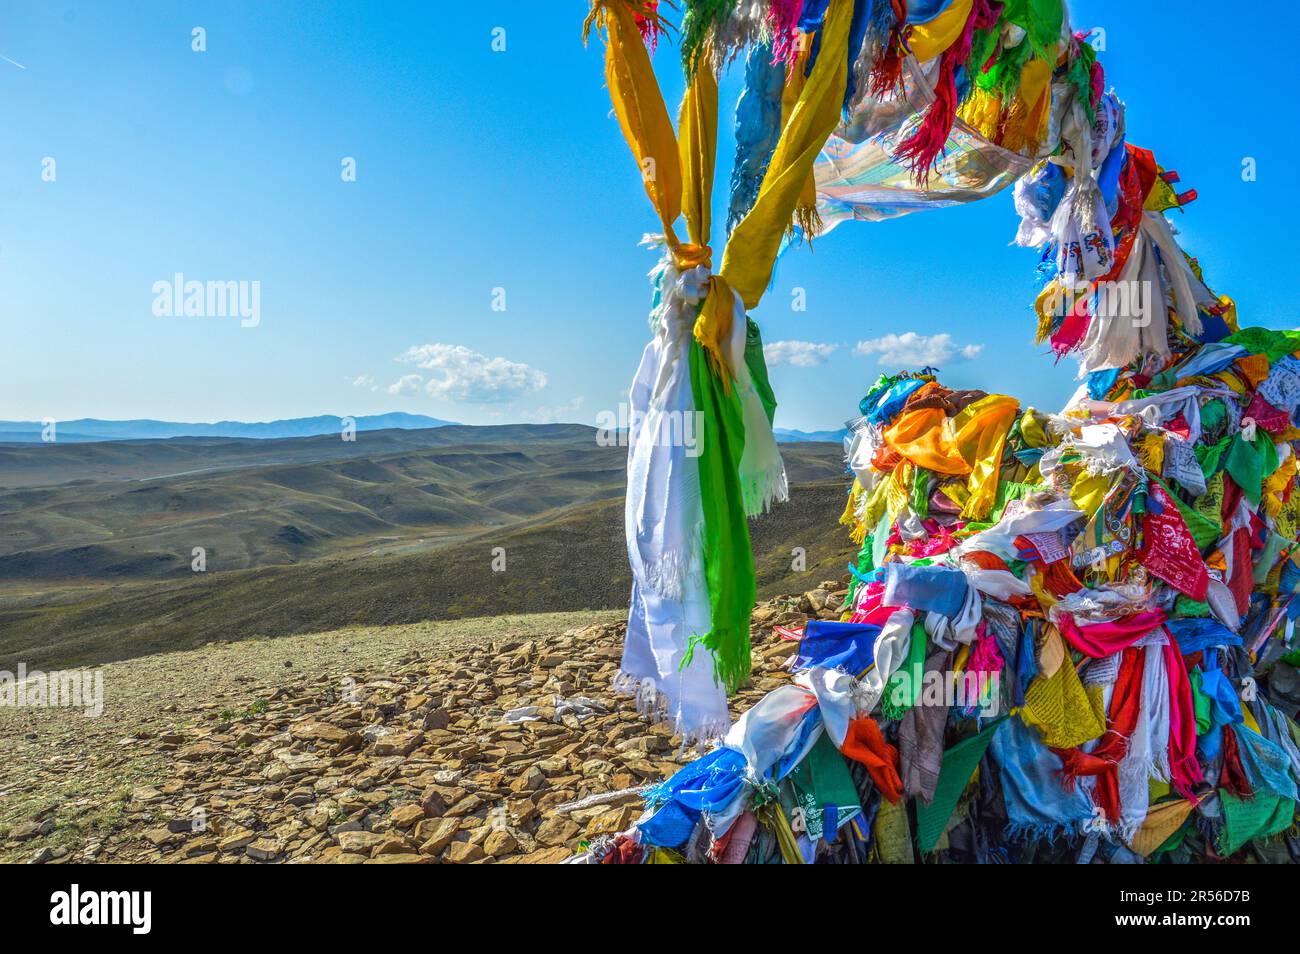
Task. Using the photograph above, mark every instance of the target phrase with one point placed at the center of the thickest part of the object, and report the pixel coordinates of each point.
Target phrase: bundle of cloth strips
(1068, 636)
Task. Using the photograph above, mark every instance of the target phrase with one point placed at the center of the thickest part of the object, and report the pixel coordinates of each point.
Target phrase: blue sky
(479, 171)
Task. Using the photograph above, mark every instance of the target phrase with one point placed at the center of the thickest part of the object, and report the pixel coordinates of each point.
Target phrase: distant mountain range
(87, 429)
(786, 436)
(92, 429)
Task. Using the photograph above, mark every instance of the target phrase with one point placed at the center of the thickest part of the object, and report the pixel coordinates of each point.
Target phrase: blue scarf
(831, 645)
(861, 22)
(758, 126)
(1196, 635)
(1266, 764)
(709, 784)
(880, 406)
(931, 589)
(1038, 806)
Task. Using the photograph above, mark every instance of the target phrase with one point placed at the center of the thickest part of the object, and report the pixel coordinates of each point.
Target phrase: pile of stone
(515, 752)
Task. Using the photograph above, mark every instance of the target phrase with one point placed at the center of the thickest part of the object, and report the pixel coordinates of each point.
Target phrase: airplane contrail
(14, 62)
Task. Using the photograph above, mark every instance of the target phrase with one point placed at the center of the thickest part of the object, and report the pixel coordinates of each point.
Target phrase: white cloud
(911, 350)
(363, 381)
(801, 354)
(406, 384)
(460, 374)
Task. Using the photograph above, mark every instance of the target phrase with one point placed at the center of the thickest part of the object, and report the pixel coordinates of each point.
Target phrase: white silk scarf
(663, 524)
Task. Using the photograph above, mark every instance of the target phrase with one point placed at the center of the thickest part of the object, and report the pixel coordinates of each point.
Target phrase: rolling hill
(97, 541)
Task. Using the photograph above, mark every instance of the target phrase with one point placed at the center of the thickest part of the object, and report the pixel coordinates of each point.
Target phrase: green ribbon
(1041, 20)
(1249, 463)
(728, 560)
(757, 364)
(959, 763)
(904, 686)
(1272, 342)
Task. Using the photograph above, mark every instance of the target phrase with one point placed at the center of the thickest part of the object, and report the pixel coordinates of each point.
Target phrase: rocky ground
(475, 741)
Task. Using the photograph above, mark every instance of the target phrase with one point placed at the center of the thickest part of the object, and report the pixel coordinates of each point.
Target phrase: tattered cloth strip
(892, 843)
(701, 19)
(1155, 709)
(624, 852)
(773, 818)
(728, 564)
(751, 253)
(889, 652)
(1146, 757)
(1103, 761)
(1040, 19)
(1265, 763)
(758, 126)
(1161, 822)
(886, 70)
(734, 845)
(1184, 770)
(1103, 639)
(664, 519)
(823, 787)
(1060, 708)
(711, 784)
(920, 737)
(1126, 325)
(761, 470)
(664, 856)
(839, 699)
(846, 646)
(740, 467)
(959, 764)
(864, 743)
(639, 106)
(784, 19)
(926, 141)
(1232, 774)
(1168, 549)
(773, 730)
(1247, 819)
(868, 15)
(1249, 461)
(1273, 725)
(904, 686)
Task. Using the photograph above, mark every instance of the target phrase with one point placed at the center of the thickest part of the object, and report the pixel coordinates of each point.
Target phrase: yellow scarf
(678, 176)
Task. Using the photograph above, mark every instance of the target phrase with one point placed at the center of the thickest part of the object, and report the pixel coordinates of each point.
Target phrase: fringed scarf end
(764, 489)
(887, 71)
(808, 222)
(656, 708)
(1049, 832)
